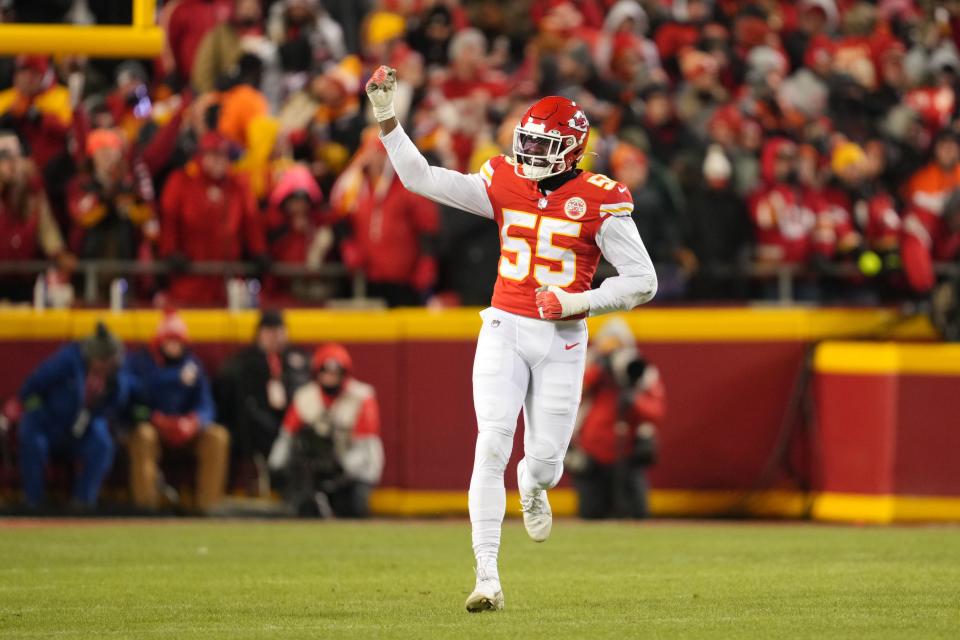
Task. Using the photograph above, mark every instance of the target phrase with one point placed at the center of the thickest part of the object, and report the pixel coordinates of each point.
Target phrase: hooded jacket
(783, 221)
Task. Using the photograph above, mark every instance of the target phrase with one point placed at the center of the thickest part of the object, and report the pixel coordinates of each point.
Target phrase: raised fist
(380, 89)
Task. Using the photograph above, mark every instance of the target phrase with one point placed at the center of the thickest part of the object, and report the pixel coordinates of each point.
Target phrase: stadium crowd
(816, 134)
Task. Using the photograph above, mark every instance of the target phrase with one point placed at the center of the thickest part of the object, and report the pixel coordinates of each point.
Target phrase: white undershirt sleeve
(636, 279)
(452, 188)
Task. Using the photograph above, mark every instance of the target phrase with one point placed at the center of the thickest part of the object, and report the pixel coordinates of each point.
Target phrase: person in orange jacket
(208, 214)
(929, 188)
(623, 400)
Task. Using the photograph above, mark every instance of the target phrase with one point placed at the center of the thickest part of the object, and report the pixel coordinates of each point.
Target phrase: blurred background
(211, 276)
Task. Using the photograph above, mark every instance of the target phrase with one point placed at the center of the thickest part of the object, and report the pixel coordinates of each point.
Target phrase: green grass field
(208, 579)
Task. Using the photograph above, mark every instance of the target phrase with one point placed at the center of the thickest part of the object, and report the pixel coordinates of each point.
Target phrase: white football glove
(380, 89)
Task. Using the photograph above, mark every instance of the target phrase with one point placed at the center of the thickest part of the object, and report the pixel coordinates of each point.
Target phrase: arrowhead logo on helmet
(550, 138)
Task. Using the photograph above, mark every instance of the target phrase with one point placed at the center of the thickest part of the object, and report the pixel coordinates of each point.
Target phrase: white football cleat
(537, 514)
(487, 594)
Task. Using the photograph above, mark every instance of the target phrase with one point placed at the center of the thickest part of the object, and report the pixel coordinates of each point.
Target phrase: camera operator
(328, 455)
(615, 441)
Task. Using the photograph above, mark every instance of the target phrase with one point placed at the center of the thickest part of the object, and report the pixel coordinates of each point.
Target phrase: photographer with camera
(615, 440)
(328, 455)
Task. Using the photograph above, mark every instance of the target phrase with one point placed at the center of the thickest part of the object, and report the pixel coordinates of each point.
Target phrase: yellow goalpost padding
(142, 39)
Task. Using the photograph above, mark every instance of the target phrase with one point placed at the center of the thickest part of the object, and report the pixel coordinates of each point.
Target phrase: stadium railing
(92, 273)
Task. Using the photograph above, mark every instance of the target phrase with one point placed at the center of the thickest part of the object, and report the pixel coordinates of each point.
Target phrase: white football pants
(537, 365)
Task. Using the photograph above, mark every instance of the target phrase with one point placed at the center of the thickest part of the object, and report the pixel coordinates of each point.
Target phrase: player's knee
(493, 450)
(545, 473)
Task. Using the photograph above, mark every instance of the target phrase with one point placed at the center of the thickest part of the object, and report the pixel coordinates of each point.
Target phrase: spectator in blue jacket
(67, 401)
(174, 409)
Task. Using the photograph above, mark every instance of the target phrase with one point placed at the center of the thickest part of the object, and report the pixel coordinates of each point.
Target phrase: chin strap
(555, 182)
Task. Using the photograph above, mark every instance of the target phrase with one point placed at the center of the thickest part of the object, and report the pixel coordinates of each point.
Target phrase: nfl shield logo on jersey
(575, 208)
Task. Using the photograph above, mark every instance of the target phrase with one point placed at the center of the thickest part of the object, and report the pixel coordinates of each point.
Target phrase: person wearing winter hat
(63, 407)
(174, 411)
(296, 231)
(208, 214)
(329, 450)
(863, 216)
(717, 229)
(112, 211)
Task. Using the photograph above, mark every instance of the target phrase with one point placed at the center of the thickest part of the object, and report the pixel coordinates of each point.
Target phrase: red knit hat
(213, 142)
(331, 351)
(40, 64)
(101, 139)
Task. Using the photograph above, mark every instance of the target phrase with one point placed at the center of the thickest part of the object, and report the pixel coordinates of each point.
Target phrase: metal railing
(93, 273)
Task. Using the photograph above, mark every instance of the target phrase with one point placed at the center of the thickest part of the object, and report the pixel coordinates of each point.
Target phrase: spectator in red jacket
(296, 231)
(783, 222)
(928, 237)
(28, 230)
(329, 447)
(208, 214)
(391, 231)
(623, 401)
(38, 108)
(863, 214)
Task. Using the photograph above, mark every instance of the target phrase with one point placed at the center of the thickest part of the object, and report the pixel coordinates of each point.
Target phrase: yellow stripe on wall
(314, 325)
(827, 506)
(887, 358)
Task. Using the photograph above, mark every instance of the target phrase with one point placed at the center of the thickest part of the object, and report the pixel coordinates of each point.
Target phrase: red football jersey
(547, 240)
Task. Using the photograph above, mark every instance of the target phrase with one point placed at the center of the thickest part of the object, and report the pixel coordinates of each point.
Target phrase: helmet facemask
(540, 155)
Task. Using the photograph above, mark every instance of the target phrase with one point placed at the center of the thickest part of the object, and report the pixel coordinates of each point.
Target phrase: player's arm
(636, 279)
(634, 284)
(452, 188)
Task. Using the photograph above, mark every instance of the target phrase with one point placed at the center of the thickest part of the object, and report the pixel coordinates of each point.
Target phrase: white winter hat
(716, 166)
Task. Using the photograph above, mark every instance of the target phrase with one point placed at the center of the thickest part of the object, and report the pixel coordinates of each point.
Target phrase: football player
(555, 222)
